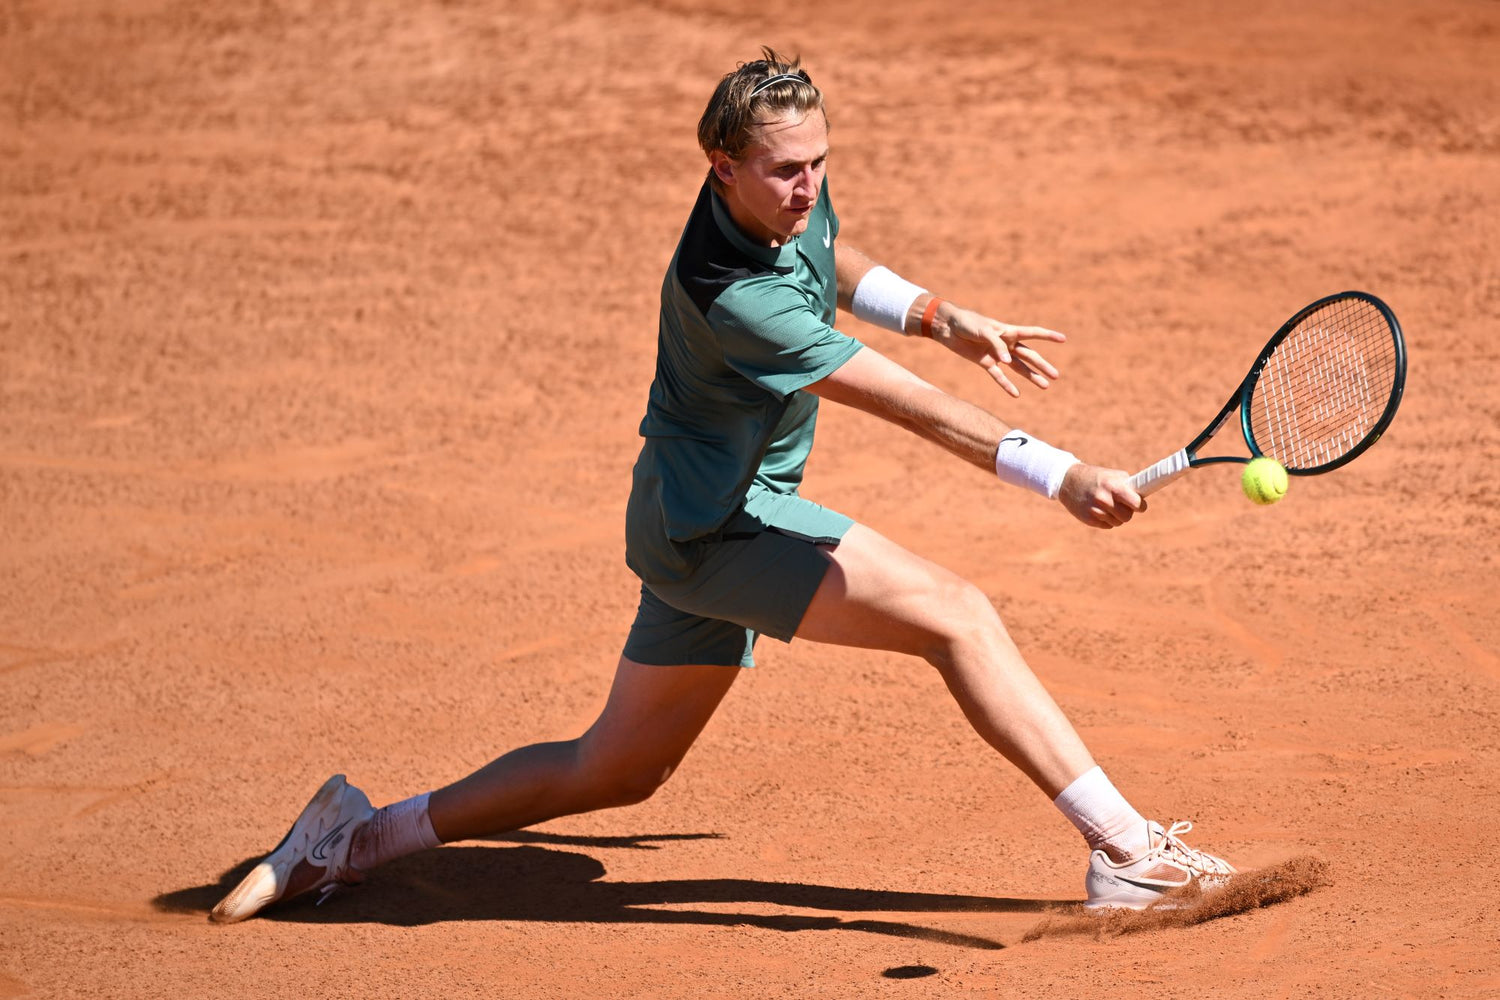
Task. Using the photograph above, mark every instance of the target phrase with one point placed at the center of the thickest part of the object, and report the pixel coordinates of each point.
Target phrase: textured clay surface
(325, 329)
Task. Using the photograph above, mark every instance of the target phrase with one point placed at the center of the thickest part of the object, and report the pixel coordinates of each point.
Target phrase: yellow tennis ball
(1264, 480)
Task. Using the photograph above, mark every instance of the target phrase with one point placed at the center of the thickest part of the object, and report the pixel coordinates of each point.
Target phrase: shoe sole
(1110, 905)
(260, 888)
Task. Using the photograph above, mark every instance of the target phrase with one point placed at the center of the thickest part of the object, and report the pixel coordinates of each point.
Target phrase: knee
(616, 781)
(962, 617)
(638, 783)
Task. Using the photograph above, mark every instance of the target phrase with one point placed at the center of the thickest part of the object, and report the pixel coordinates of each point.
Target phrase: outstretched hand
(1100, 498)
(996, 346)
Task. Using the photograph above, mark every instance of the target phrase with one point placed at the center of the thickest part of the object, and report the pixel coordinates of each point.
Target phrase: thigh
(878, 595)
(654, 714)
(663, 635)
(761, 570)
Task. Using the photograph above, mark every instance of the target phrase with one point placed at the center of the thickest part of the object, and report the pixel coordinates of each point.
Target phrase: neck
(749, 225)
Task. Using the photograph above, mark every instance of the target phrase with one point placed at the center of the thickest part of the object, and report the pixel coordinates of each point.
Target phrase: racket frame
(1151, 479)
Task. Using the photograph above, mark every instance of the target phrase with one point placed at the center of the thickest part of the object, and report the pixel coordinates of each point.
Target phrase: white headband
(772, 81)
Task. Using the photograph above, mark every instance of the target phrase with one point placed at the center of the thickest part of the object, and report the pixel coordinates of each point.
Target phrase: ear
(722, 166)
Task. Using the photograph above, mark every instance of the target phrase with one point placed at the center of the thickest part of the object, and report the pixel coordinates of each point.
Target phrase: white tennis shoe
(314, 854)
(1167, 865)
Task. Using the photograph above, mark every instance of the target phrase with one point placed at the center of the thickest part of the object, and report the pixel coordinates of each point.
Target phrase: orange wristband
(929, 313)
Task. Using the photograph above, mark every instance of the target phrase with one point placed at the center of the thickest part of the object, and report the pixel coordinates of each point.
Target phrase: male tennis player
(727, 549)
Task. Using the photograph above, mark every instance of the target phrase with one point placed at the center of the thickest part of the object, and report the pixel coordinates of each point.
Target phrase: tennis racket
(1322, 391)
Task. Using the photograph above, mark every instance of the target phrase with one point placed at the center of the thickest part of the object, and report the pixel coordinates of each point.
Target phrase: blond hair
(748, 97)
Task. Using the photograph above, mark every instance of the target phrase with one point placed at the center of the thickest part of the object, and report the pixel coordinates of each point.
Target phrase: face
(772, 189)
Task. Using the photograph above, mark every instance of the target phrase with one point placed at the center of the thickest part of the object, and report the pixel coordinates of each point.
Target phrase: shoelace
(341, 879)
(1198, 861)
(339, 882)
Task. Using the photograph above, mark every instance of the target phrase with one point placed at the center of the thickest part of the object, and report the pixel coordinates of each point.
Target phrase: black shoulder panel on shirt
(708, 263)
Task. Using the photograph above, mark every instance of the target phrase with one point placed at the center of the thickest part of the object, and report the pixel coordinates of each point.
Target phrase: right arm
(871, 382)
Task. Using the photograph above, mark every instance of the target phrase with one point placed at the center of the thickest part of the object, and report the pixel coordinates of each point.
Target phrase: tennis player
(727, 549)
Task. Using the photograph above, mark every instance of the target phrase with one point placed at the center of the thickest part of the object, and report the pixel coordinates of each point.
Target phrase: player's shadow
(530, 883)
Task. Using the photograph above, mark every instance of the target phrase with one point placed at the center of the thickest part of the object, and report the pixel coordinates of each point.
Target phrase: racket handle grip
(1150, 480)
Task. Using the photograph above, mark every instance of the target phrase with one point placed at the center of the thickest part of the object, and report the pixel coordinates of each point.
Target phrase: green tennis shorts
(755, 576)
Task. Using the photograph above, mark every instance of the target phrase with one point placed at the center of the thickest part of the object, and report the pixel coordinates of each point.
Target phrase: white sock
(1106, 820)
(395, 831)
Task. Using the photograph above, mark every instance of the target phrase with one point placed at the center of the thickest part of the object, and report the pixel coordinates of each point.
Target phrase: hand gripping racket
(1323, 390)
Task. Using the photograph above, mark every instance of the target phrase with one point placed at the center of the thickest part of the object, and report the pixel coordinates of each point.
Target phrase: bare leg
(651, 718)
(877, 595)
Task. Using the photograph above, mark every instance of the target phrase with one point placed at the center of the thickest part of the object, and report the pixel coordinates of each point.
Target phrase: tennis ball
(1264, 480)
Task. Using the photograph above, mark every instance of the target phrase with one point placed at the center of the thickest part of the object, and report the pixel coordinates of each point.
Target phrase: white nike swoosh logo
(827, 234)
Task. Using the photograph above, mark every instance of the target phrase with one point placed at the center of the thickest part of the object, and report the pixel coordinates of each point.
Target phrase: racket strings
(1325, 387)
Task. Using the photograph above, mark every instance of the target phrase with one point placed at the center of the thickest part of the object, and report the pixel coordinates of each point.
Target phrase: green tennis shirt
(743, 328)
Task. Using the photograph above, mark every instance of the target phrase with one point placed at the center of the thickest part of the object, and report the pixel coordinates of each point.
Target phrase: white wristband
(1023, 460)
(883, 298)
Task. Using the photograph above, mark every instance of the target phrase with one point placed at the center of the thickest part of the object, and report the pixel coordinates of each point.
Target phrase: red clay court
(325, 330)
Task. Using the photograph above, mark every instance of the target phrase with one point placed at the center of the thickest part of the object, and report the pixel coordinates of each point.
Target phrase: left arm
(849, 268)
(989, 343)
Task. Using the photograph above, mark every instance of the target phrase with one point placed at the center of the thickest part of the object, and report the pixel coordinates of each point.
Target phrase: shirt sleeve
(770, 334)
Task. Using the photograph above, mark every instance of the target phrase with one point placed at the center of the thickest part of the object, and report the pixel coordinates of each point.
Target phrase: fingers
(976, 329)
(1100, 498)
(1113, 501)
(1109, 516)
(1034, 359)
(1118, 483)
(1033, 376)
(1100, 517)
(1116, 502)
(1000, 348)
(1037, 333)
(1026, 362)
(1031, 373)
(1003, 344)
(998, 374)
